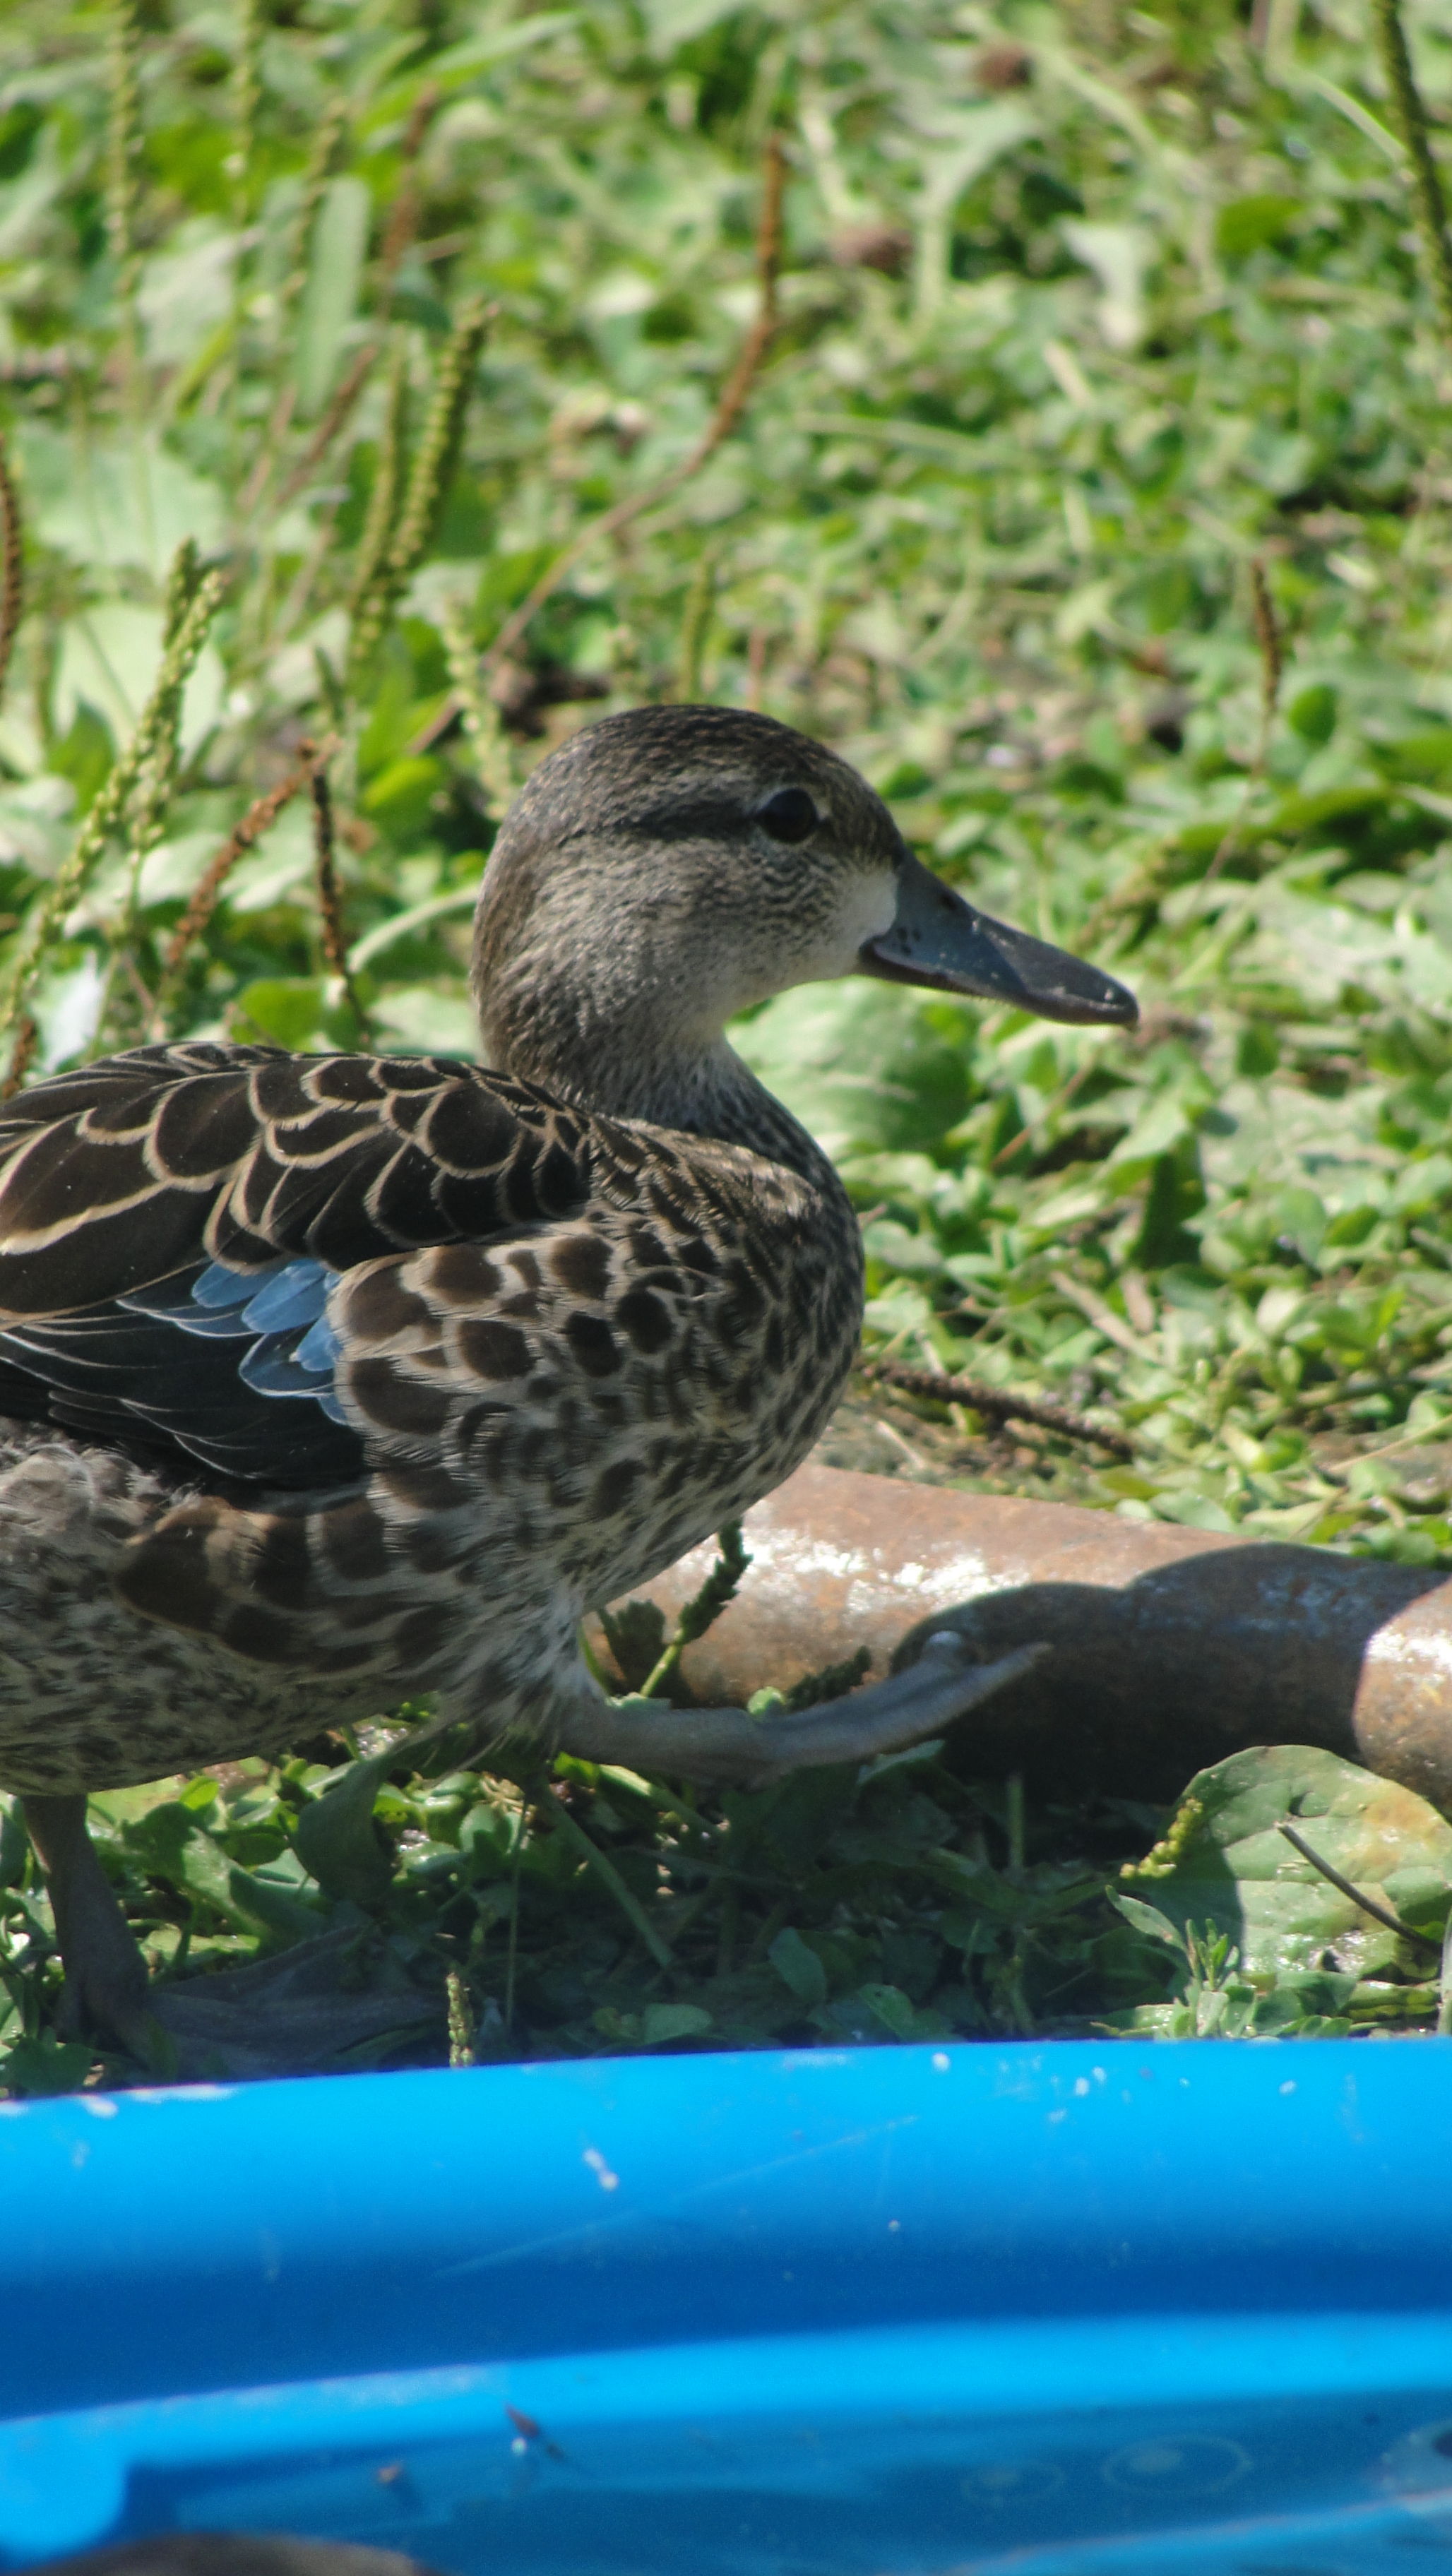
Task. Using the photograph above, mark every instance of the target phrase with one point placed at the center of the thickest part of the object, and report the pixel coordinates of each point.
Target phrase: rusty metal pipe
(1172, 1647)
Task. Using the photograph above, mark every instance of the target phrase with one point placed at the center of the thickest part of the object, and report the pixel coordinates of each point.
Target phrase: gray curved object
(1171, 1647)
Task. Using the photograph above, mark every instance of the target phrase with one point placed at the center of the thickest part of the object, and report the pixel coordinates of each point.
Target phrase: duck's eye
(789, 815)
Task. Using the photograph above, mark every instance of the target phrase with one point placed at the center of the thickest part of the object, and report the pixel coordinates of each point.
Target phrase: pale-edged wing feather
(128, 1179)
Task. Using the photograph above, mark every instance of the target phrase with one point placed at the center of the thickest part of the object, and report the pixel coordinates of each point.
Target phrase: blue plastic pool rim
(893, 2246)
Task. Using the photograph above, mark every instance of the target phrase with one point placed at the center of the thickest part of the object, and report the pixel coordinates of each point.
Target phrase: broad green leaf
(676, 22)
(661, 2023)
(109, 656)
(859, 1065)
(476, 54)
(282, 860)
(256, 1896)
(114, 501)
(1313, 712)
(335, 1837)
(1251, 223)
(291, 1010)
(401, 796)
(799, 1966)
(46, 2065)
(421, 1017)
(1149, 1920)
(1225, 1861)
(186, 290)
(891, 2006)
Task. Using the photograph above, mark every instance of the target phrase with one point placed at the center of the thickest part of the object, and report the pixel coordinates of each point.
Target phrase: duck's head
(667, 868)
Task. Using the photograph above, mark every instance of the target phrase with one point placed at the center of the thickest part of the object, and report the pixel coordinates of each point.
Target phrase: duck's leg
(728, 1744)
(278, 2016)
(106, 1987)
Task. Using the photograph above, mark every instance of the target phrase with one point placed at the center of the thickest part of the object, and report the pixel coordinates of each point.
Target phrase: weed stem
(997, 1403)
(703, 1608)
(1369, 1905)
(731, 403)
(1410, 118)
(12, 569)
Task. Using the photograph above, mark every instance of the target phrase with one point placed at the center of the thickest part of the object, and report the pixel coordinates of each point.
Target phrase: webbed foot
(282, 2016)
(729, 1745)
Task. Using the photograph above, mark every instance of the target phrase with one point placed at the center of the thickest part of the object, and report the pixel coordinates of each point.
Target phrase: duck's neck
(717, 1095)
(697, 1090)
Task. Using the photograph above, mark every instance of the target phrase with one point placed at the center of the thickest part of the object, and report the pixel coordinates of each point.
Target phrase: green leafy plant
(1334, 1888)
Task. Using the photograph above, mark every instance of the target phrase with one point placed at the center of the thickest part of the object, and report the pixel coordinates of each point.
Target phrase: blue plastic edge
(186, 2269)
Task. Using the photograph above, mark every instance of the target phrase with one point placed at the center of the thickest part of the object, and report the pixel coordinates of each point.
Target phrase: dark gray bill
(939, 939)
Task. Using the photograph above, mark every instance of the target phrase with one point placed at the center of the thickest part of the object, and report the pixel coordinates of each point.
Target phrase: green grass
(1084, 313)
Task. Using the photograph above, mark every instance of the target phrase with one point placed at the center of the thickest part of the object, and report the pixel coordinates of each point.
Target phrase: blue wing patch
(279, 1313)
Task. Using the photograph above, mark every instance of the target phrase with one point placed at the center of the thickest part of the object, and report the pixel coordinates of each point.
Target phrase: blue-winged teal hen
(330, 1379)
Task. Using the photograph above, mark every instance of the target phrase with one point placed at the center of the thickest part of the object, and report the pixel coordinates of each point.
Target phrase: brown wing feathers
(544, 1332)
(115, 1178)
(143, 1168)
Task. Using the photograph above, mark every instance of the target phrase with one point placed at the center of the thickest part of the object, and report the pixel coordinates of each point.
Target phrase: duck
(331, 1380)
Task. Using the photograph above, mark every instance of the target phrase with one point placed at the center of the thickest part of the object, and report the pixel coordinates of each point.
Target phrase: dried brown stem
(997, 1403)
(731, 403)
(736, 392)
(397, 240)
(1368, 1904)
(404, 212)
(12, 571)
(330, 892)
(1268, 637)
(279, 422)
(1051, 1109)
(22, 1055)
(260, 816)
(333, 419)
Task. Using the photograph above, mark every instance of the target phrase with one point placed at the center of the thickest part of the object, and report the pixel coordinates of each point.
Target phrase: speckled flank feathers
(81, 1681)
